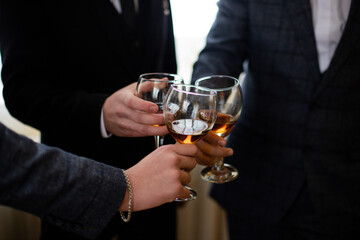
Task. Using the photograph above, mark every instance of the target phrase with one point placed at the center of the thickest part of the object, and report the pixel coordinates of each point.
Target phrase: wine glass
(153, 87)
(190, 113)
(229, 104)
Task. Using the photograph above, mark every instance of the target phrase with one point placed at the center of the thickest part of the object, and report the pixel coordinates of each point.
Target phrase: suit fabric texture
(61, 60)
(71, 192)
(297, 128)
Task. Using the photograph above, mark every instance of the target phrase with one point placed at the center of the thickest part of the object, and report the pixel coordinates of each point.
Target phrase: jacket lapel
(347, 42)
(301, 19)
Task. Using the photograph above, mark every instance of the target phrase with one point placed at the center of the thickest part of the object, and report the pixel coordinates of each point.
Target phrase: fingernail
(222, 142)
(230, 152)
(154, 108)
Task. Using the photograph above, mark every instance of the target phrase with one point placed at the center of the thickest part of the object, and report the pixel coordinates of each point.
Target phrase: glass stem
(159, 141)
(219, 165)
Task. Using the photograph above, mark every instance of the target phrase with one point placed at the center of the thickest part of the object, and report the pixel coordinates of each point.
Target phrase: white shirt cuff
(103, 131)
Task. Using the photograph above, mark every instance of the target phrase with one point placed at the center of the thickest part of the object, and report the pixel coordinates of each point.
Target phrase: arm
(226, 43)
(82, 195)
(72, 192)
(224, 53)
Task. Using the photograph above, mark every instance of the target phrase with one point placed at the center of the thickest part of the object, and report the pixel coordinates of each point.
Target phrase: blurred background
(197, 220)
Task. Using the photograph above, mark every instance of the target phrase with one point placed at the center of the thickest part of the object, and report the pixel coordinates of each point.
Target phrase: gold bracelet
(127, 219)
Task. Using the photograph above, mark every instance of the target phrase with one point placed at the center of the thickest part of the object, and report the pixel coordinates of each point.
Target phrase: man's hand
(161, 176)
(211, 148)
(126, 115)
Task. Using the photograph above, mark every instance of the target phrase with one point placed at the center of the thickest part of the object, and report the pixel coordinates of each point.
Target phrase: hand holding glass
(229, 104)
(153, 87)
(190, 113)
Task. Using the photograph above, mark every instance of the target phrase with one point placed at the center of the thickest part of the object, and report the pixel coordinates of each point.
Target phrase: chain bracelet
(127, 219)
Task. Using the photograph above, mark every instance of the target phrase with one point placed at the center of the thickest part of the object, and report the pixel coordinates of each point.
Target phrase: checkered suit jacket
(295, 125)
(72, 192)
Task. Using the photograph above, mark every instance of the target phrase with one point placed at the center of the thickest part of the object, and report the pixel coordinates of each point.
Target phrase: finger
(146, 118)
(148, 85)
(185, 149)
(185, 193)
(205, 159)
(187, 163)
(162, 83)
(182, 156)
(144, 87)
(208, 154)
(185, 178)
(214, 150)
(132, 129)
(212, 138)
(148, 131)
(156, 130)
(139, 104)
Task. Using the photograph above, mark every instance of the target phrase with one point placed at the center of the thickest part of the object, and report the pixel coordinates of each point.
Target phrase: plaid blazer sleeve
(226, 42)
(71, 192)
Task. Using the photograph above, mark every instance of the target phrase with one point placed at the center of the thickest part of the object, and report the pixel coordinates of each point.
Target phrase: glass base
(192, 196)
(226, 174)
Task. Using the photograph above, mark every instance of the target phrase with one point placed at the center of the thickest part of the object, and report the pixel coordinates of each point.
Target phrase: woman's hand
(161, 176)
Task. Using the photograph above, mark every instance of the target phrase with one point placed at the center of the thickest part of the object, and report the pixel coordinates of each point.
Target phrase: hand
(160, 177)
(211, 148)
(126, 115)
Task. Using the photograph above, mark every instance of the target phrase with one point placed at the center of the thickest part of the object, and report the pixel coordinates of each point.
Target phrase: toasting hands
(211, 148)
(126, 115)
(161, 176)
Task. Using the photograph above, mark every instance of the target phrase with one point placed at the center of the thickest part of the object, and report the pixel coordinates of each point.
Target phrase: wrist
(125, 203)
(129, 197)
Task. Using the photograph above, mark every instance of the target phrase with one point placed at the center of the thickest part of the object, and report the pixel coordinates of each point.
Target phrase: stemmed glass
(153, 87)
(229, 104)
(190, 113)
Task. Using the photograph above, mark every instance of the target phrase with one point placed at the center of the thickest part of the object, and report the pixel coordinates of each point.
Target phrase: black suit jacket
(62, 59)
(295, 125)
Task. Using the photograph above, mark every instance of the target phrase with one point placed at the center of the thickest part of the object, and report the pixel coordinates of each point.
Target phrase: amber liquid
(159, 112)
(188, 131)
(224, 124)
